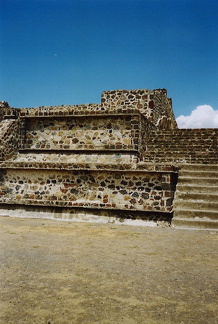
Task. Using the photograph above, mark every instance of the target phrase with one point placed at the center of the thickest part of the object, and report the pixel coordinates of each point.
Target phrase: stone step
(194, 223)
(211, 132)
(198, 180)
(181, 141)
(184, 132)
(177, 160)
(195, 167)
(181, 159)
(195, 204)
(162, 151)
(200, 173)
(188, 158)
(173, 160)
(182, 136)
(177, 142)
(151, 147)
(207, 150)
(158, 138)
(177, 149)
(206, 196)
(196, 213)
(187, 188)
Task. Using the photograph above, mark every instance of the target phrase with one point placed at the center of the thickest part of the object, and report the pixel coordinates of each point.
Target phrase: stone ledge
(140, 167)
(59, 111)
(129, 217)
(95, 205)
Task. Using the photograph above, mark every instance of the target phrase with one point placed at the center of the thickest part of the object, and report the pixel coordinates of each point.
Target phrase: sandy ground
(61, 272)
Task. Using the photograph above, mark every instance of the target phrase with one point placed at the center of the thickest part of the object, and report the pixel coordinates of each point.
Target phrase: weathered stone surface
(87, 189)
(121, 154)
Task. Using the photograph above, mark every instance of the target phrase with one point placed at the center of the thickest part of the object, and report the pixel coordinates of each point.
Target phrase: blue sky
(55, 52)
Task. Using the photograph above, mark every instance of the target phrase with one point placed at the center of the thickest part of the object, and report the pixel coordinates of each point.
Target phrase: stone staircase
(196, 198)
(82, 152)
(195, 153)
(181, 146)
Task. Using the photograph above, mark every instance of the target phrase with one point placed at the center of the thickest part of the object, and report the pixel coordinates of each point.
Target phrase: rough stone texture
(181, 146)
(7, 112)
(196, 199)
(134, 191)
(10, 137)
(121, 154)
(154, 105)
(82, 133)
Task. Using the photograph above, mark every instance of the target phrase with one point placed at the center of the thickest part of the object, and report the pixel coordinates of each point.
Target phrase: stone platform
(122, 156)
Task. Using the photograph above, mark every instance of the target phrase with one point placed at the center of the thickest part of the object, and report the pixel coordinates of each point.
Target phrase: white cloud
(203, 116)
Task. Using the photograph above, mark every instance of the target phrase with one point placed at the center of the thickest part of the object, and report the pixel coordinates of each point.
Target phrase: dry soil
(59, 272)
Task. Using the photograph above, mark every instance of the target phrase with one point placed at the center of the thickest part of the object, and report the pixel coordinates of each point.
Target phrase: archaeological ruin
(123, 160)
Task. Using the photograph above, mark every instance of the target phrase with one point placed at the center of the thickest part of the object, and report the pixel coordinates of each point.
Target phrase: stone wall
(10, 138)
(6, 112)
(154, 105)
(88, 156)
(147, 191)
(82, 133)
(119, 159)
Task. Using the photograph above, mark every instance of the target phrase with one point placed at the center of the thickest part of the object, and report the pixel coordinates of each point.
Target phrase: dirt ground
(68, 272)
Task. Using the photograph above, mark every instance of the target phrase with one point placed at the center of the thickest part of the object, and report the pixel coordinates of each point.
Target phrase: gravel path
(66, 272)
